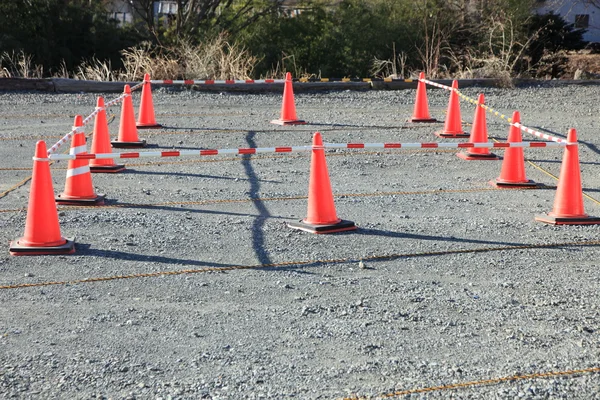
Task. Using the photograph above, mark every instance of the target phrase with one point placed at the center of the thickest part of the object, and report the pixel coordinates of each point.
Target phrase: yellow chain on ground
(300, 263)
(257, 199)
(483, 382)
(486, 108)
(555, 177)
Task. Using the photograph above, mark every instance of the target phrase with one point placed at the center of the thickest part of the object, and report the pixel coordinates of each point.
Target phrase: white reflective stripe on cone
(78, 149)
(78, 171)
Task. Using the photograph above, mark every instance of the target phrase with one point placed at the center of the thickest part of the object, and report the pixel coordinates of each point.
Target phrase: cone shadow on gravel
(231, 178)
(189, 210)
(453, 239)
(354, 126)
(125, 255)
(591, 146)
(258, 238)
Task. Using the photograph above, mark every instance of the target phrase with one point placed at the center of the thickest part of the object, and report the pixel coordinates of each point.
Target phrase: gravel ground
(441, 295)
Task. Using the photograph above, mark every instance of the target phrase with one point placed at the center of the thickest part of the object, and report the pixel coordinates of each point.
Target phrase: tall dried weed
(19, 65)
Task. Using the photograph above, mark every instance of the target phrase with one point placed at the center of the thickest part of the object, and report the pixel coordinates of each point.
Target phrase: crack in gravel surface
(359, 325)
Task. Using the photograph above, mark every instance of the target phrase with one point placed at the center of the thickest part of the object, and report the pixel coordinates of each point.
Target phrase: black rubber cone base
(107, 168)
(283, 122)
(17, 249)
(422, 120)
(549, 219)
(155, 126)
(128, 145)
(94, 201)
(512, 185)
(341, 226)
(459, 135)
(475, 156)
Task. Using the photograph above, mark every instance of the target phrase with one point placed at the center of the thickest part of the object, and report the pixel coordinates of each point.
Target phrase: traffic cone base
(475, 156)
(456, 135)
(107, 168)
(340, 226)
(153, 126)
(129, 145)
(18, 249)
(529, 184)
(562, 220)
(284, 122)
(78, 201)
(423, 120)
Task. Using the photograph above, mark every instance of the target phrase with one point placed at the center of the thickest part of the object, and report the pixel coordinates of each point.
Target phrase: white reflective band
(78, 150)
(265, 150)
(78, 171)
(40, 159)
(414, 145)
(100, 156)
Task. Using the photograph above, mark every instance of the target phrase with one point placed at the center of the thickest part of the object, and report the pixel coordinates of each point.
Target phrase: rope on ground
(482, 382)
(382, 257)
(262, 199)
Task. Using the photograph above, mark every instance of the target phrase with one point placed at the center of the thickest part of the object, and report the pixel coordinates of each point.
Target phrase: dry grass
(19, 65)
(214, 59)
(96, 70)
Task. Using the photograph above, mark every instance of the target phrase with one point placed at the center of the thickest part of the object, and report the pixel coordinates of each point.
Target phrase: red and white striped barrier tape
(292, 149)
(497, 113)
(441, 145)
(214, 82)
(87, 120)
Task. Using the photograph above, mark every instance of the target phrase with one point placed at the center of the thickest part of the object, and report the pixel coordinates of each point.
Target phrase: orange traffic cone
(478, 135)
(512, 174)
(421, 111)
(288, 107)
(128, 136)
(321, 209)
(568, 201)
(78, 187)
(101, 143)
(146, 119)
(453, 124)
(42, 230)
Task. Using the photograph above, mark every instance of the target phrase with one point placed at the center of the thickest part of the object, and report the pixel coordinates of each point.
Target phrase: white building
(123, 10)
(581, 13)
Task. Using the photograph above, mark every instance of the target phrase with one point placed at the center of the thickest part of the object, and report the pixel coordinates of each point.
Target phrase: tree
(197, 18)
(61, 33)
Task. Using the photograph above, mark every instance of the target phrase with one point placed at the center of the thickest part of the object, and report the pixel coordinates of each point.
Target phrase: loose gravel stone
(430, 290)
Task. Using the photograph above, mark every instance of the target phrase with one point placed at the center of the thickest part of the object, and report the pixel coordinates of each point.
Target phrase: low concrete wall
(62, 85)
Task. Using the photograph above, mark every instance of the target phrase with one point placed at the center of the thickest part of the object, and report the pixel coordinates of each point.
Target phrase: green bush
(56, 32)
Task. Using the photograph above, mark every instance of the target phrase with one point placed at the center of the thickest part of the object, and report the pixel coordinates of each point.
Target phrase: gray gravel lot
(442, 294)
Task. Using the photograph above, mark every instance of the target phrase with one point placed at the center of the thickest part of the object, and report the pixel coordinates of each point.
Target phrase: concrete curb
(61, 85)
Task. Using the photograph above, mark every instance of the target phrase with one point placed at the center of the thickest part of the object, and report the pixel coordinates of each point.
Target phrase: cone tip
(288, 76)
(481, 99)
(146, 77)
(421, 75)
(100, 102)
(455, 84)
(317, 139)
(127, 89)
(572, 135)
(78, 121)
(516, 117)
(40, 149)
